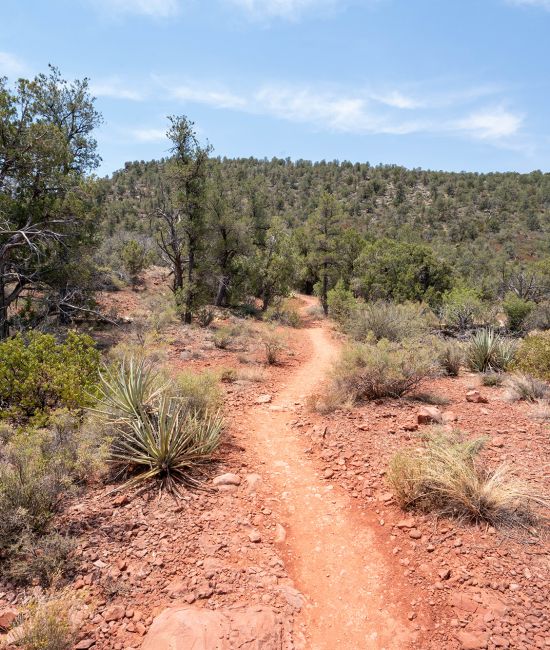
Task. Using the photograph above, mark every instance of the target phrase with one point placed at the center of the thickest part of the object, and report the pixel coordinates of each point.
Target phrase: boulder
(7, 617)
(429, 415)
(476, 397)
(227, 479)
(263, 399)
(182, 628)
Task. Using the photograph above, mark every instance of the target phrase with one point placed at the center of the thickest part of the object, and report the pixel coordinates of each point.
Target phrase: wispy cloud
(144, 134)
(114, 88)
(216, 97)
(542, 4)
(152, 8)
(286, 9)
(491, 123)
(11, 65)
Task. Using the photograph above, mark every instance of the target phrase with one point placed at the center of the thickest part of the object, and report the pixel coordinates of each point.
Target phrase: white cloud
(11, 65)
(397, 99)
(542, 4)
(147, 134)
(152, 8)
(218, 98)
(114, 88)
(491, 123)
(287, 9)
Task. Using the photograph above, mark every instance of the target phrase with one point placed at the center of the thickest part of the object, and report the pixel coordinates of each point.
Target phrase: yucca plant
(488, 351)
(128, 389)
(166, 443)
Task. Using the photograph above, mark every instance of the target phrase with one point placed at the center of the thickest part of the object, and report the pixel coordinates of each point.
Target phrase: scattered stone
(429, 415)
(227, 479)
(473, 640)
(476, 397)
(85, 644)
(254, 537)
(253, 481)
(414, 533)
(114, 613)
(405, 523)
(263, 399)
(449, 417)
(7, 617)
(292, 596)
(328, 473)
(444, 574)
(280, 534)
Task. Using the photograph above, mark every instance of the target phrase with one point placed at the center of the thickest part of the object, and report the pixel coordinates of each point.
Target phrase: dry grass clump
(443, 476)
(387, 320)
(525, 387)
(48, 625)
(541, 411)
(492, 379)
(451, 357)
(198, 392)
(273, 344)
(377, 371)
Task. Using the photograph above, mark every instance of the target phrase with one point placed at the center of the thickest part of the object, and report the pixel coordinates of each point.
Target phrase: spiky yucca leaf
(167, 443)
(488, 351)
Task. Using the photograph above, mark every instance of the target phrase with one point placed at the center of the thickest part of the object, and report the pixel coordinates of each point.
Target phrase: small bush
(273, 344)
(38, 374)
(41, 559)
(451, 357)
(488, 351)
(533, 356)
(341, 303)
(517, 310)
(386, 320)
(48, 625)
(382, 370)
(442, 476)
(539, 318)
(205, 316)
(461, 308)
(251, 374)
(431, 398)
(223, 337)
(525, 387)
(198, 392)
(492, 379)
(284, 314)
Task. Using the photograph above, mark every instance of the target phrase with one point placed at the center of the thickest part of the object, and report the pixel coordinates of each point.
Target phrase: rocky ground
(296, 540)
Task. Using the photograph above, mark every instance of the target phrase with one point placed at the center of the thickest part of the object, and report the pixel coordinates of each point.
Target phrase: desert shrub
(488, 351)
(443, 476)
(162, 312)
(492, 378)
(223, 337)
(517, 310)
(430, 398)
(38, 374)
(533, 356)
(205, 316)
(315, 311)
(451, 357)
(387, 320)
(525, 387)
(48, 625)
(252, 374)
(273, 344)
(541, 411)
(341, 303)
(228, 375)
(461, 307)
(198, 392)
(539, 318)
(135, 259)
(382, 370)
(39, 559)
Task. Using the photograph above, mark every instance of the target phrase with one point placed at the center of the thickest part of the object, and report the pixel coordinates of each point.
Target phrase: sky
(439, 84)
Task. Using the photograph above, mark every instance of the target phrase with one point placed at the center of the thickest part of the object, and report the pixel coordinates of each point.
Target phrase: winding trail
(331, 550)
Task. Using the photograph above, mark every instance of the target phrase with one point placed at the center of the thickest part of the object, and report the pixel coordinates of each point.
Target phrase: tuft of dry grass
(273, 344)
(48, 625)
(443, 476)
(492, 379)
(525, 387)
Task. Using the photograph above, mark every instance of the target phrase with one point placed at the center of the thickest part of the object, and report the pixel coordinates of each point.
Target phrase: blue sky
(439, 84)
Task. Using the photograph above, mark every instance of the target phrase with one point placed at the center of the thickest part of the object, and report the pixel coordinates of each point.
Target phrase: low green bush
(49, 625)
(533, 356)
(461, 307)
(387, 320)
(199, 392)
(376, 371)
(517, 311)
(283, 314)
(525, 387)
(39, 374)
(341, 303)
(451, 357)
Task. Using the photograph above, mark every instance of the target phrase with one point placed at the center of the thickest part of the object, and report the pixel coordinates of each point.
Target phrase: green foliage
(283, 312)
(199, 392)
(387, 320)
(451, 357)
(492, 379)
(442, 476)
(223, 336)
(38, 374)
(488, 351)
(533, 356)
(383, 370)
(135, 259)
(205, 316)
(48, 625)
(341, 303)
(461, 307)
(391, 270)
(517, 310)
(539, 318)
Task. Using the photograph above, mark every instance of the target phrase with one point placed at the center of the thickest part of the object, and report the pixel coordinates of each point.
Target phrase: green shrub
(451, 357)
(341, 303)
(488, 351)
(38, 374)
(48, 625)
(198, 392)
(517, 310)
(533, 356)
(223, 337)
(539, 318)
(135, 259)
(205, 316)
(387, 320)
(284, 314)
(273, 344)
(442, 476)
(377, 371)
(41, 559)
(492, 379)
(461, 307)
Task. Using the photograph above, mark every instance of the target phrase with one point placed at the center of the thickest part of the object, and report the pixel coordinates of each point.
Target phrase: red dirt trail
(332, 555)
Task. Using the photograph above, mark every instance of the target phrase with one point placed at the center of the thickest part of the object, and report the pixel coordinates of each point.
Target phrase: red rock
(500, 641)
(405, 523)
(85, 644)
(463, 602)
(476, 397)
(7, 617)
(449, 416)
(263, 399)
(429, 415)
(254, 536)
(114, 613)
(227, 479)
(256, 628)
(473, 640)
(414, 533)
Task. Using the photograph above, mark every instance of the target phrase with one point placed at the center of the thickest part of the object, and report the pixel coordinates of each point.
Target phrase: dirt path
(331, 550)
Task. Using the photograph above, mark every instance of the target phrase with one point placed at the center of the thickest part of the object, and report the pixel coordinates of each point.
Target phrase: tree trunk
(188, 313)
(4, 325)
(324, 293)
(221, 295)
